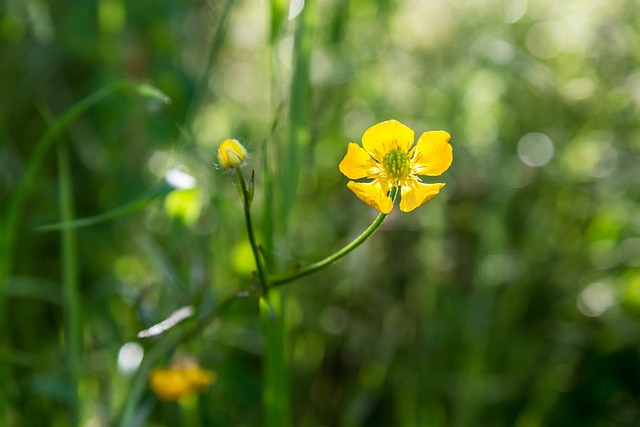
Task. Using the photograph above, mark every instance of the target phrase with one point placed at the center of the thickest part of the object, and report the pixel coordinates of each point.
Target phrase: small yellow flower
(389, 157)
(231, 154)
(180, 379)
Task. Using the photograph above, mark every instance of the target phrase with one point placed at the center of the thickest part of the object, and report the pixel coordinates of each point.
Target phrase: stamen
(397, 163)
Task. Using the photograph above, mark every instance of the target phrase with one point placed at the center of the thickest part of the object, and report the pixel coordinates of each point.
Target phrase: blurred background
(511, 299)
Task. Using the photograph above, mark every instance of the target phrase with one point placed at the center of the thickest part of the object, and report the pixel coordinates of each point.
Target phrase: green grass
(512, 298)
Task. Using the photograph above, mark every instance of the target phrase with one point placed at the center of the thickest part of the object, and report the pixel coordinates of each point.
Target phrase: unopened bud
(231, 154)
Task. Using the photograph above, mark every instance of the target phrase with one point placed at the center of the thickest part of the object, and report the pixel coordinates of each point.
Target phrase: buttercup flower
(180, 379)
(389, 157)
(231, 154)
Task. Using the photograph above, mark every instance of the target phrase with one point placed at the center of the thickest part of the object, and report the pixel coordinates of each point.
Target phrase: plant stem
(71, 298)
(290, 277)
(246, 201)
(275, 390)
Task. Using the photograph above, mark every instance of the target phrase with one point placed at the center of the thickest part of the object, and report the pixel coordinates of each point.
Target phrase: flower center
(396, 163)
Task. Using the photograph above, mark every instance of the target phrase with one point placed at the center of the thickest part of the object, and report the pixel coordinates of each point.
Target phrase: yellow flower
(389, 157)
(180, 379)
(231, 154)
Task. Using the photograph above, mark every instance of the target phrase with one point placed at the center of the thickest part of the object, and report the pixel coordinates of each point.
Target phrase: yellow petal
(358, 164)
(415, 194)
(373, 193)
(231, 154)
(383, 137)
(199, 378)
(169, 384)
(433, 154)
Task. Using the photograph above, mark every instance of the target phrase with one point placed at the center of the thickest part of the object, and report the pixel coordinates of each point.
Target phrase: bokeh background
(511, 299)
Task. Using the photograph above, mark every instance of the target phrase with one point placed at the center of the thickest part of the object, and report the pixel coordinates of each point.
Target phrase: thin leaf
(136, 205)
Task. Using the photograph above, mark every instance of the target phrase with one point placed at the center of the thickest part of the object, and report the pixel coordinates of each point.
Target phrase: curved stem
(246, 202)
(289, 277)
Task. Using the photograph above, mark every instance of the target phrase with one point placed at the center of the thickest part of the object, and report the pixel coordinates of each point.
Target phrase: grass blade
(138, 204)
(9, 223)
(71, 296)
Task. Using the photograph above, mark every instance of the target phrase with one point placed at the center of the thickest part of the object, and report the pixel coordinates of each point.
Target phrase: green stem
(71, 296)
(291, 276)
(272, 315)
(275, 389)
(246, 199)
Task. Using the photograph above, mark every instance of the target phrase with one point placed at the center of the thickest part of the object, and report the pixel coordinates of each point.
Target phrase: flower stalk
(247, 196)
(268, 282)
(317, 266)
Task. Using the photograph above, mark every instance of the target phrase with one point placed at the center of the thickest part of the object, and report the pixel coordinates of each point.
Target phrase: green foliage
(511, 299)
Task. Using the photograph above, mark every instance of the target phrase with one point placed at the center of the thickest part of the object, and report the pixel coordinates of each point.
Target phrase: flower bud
(231, 154)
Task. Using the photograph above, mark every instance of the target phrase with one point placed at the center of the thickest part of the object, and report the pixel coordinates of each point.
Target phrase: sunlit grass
(511, 299)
